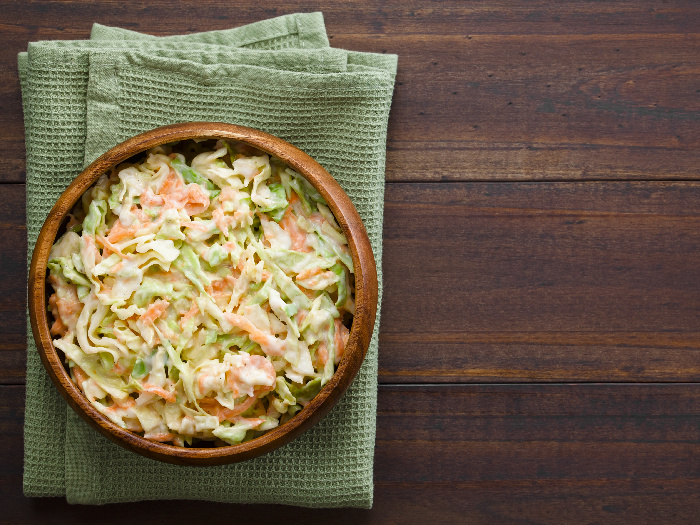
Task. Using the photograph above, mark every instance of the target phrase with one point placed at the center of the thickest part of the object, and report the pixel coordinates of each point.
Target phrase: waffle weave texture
(81, 98)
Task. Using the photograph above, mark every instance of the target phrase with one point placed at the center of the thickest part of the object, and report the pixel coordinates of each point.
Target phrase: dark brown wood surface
(540, 335)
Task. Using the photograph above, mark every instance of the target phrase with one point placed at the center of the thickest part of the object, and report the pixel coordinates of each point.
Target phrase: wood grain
(503, 90)
(542, 282)
(500, 454)
(13, 284)
(364, 17)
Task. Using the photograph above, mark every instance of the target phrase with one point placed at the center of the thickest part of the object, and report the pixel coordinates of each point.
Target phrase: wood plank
(13, 285)
(503, 90)
(541, 282)
(545, 108)
(502, 453)
(416, 161)
(69, 18)
(504, 282)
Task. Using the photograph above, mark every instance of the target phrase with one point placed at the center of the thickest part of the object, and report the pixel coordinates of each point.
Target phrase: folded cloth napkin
(82, 97)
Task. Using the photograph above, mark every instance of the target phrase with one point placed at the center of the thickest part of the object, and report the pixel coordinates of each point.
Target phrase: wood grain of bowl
(365, 293)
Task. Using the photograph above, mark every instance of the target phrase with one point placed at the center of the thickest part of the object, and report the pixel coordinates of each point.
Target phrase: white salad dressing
(199, 297)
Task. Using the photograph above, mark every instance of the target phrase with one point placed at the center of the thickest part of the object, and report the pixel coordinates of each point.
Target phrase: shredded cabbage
(202, 292)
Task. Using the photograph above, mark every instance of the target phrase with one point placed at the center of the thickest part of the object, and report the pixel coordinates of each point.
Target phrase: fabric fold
(301, 30)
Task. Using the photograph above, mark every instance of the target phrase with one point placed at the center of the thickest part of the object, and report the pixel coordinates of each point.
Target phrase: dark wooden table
(540, 338)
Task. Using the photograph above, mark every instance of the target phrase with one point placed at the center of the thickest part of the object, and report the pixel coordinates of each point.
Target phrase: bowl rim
(366, 293)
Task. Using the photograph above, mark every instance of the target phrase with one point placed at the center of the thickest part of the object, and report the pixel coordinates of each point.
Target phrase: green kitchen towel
(81, 98)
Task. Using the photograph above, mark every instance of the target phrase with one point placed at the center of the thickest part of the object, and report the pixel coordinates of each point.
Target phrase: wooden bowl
(365, 294)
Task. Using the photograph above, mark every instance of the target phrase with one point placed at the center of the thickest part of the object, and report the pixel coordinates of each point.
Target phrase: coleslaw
(203, 294)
